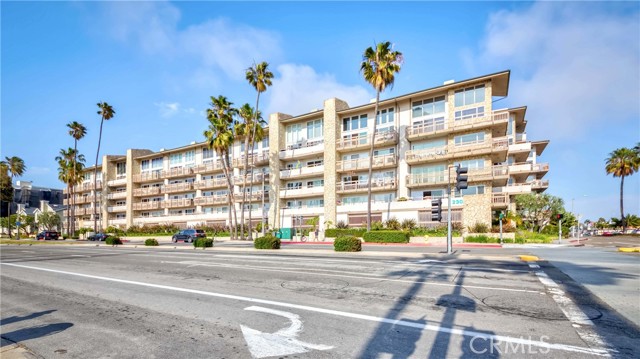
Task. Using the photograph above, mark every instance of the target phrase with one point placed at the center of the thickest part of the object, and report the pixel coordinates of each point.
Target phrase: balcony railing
(254, 159)
(208, 167)
(255, 196)
(148, 176)
(114, 209)
(363, 163)
(148, 205)
(499, 199)
(117, 195)
(210, 183)
(180, 202)
(417, 131)
(120, 180)
(177, 187)
(539, 184)
(540, 167)
(427, 179)
(302, 191)
(179, 172)
(87, 186)
(376, 184)
(302, 171)
(147, 191)
(257, 177)
(354, 142)
(208, 200)
(498, 144)
(305, 148)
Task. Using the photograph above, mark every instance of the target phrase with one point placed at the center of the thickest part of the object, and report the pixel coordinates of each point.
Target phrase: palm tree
(259, 77)
(77, 131)
(106, 112)
(219, 137)
(15, 166)
(621, 163)
(379, 67)
(70, 166)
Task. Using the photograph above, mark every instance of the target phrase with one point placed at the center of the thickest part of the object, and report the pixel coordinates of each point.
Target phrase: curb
(528, 258)
(629, 249)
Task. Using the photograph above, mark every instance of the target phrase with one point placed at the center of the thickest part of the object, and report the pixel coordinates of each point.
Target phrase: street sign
(457, 201)
(18, 224)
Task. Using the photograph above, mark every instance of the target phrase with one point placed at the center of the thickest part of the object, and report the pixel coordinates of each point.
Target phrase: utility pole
(449, 239)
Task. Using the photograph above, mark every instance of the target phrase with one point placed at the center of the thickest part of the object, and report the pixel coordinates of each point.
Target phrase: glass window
(121, 168)
(315, 203)
(156, 163)
(190, 156)
(429, 144)
(354, 199)
(469, 138)
(471, 190)
(144, 165)
(175, 158)
(384, 197)
(469, 96)
(428, 107)
(354, 123)
(207, 153)
(294, 134)
(473, 164)
(429, 170)
(314, 129)
(294, 204)
(385, 117)
(469, 113)
(294, 185)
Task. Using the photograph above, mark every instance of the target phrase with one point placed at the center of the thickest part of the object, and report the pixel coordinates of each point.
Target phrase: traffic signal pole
(449, 237)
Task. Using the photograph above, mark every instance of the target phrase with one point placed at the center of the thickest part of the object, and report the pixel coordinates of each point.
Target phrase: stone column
(277, 139)
(331, 131)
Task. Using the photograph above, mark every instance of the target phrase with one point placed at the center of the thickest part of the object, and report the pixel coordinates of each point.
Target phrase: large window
(385, 120)
(144, 165)
(314, 129)
(469, 96)
(354, 199)
(471, 190)
(156, 163)
(429, 144)
(294, 134)
(294, 204)
(432, 170)
(354, 123)
(190, 156)
(207, 154)
(469, 113)
(315, 183)
(121, 169)
(474, 164)
(315, 203)
(468, 139)
(427, 107)
(294, 185)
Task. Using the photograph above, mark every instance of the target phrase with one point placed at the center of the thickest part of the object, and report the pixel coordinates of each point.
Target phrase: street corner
(528, 258)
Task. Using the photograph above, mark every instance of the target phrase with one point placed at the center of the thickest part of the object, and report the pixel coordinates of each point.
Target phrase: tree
(15, 166)
(48, 220)
(77, 131)
(379, 67)
(219, 137)
(6, 187)
(259, 77)
(621, 163)
(537, 210)
(106, 112)
(70, 166)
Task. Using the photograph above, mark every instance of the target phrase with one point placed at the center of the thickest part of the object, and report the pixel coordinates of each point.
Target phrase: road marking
(399, 322)
(576, 316)
(282, 342)
(369, 276)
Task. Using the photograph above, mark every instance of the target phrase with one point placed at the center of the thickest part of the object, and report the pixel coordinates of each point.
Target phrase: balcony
(178, 203)
(364, 141)
(179, 172)
(210, 183)
(114, 209)
(488, 120)
(120, 180)
(255, 196)
(255, 159)
(539, 185)
(87, 186)
(302, 150)
(498, 172)
(147, 191)
(379, 162)
(148, 205)
(303, 191)
(209, 200)
(540, 168)
(148, 176)
(302, 172)
(208, 167)
(377, 184)
(499, 200)
(257, 178)
(427, 179)
(496, 146)
(117, 195)
(177, 187)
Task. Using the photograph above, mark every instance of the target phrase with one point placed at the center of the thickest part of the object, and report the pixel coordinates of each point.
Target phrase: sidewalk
(11, 350)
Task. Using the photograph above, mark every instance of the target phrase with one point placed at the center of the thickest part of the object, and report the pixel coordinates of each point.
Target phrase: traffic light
(559, 216)
(436, 210)
(461, 177)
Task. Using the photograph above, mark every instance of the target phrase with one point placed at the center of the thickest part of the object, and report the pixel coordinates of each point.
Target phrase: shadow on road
(14, 319)
(35, 332)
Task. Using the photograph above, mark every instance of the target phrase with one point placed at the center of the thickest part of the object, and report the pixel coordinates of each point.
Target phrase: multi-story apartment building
(316, 164)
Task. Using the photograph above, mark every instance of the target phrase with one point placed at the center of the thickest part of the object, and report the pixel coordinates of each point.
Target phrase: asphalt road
(105, 302)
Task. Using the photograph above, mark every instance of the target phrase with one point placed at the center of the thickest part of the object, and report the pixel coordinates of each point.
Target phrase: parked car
(188, 235)
(48, 235)
(98, 237)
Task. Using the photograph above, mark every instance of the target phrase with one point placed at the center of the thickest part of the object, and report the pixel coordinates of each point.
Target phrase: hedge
(151, 242)
(338, 232)
(203, 243)
(387, 237)
(481, 239)
(347, 244)
(267, 242)
(113, 240)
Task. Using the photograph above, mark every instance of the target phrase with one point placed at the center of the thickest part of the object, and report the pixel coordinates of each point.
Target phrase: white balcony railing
(363, 163)
(376, 184)
(304, 148)
(302, 171)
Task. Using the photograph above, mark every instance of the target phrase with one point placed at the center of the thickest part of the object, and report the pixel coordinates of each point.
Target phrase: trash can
(286, 233)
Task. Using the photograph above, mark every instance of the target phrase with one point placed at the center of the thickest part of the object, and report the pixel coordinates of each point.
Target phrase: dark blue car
(98, 237)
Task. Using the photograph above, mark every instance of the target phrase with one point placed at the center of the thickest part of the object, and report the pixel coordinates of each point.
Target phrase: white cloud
(299, 89)
(573, 65)
(168, 109)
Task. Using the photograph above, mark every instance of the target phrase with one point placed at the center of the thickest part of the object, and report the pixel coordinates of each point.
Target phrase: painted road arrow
(282, 342)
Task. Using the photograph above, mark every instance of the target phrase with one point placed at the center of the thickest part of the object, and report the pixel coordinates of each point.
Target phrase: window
(121, 203)
(156, 163)
(207, 154)
(429, 144)
(354, 123)
(469, 95)
(294, 134)
(469, 139)
(354, 200)
(385, 120)
(428, 107)
(175, 159)
(190, 156)
(430, 124)
(474, 164)
(144, 165)
(294, 204)
(121, 216)
(384, 197)
(469, 113)
(265, 143)
(386, 151)
(314, 163)
(294, 185)
(121, 169)
(314, 129)
(433, 170)
(429, 194)
(315, 203)
(315, 183)
(471, 190)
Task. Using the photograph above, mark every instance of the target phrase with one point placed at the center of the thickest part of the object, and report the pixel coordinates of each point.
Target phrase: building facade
(316, 165)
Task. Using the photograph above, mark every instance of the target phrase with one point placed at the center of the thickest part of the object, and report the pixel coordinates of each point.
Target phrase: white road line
(434, 328)
(577, 317)
(369, 277)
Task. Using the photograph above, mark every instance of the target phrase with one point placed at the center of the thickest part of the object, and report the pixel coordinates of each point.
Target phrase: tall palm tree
(70, 166)
(106, 112)
(16, 167)
(259, 77)
(251, 131)
(219, 137)
(378, 67)
(621, 163)
(77, 131)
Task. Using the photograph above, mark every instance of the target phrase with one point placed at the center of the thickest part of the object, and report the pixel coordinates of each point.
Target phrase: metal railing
(147, 191)
(376, 183)
(363, 163)
(347, 142)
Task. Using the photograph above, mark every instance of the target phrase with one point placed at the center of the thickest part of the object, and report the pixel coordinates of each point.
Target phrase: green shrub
(534, 237)
(376, 226)
(338, 232)
(505, 229)
(341, 225)
(387, 237)
(113, 240)
(481, 239)
(203, 242)
(267, 242)
(408, 224)
(347, 244)
(151, 242)
(479, 228)
(440, 231)
(392, 224)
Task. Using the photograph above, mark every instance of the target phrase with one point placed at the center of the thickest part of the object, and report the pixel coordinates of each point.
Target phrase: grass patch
(34, 242)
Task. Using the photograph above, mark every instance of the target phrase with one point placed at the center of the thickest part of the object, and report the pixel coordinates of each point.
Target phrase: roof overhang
(540, 146)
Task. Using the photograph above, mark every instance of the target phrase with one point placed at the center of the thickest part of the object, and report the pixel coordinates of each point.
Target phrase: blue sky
(575, 65)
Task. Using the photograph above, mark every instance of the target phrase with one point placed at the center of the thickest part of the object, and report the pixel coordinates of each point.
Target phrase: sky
(575, 65)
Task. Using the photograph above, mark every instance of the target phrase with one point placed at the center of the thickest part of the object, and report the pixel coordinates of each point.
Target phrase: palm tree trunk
(234, 219)
(72, 223)
(624, 222)
(95, 181)
(373, 139)
(252, 142)
(9, 208)
(244, 180)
